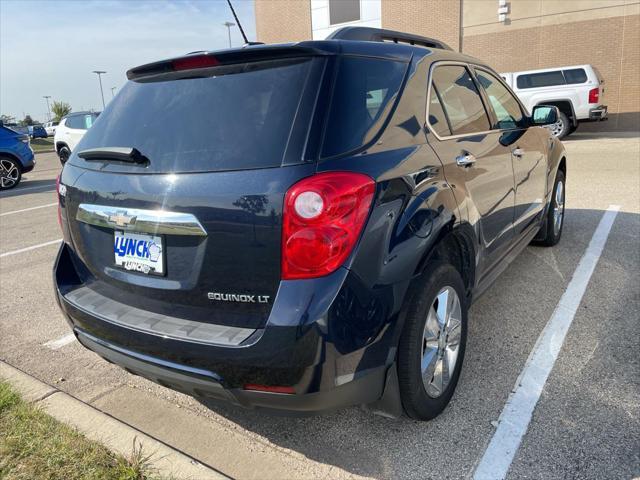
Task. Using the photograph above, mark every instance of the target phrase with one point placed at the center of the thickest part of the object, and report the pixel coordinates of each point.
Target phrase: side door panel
(484, 188)
(527, 148)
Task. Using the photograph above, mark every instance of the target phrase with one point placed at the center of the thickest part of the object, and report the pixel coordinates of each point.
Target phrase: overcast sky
(51, 47)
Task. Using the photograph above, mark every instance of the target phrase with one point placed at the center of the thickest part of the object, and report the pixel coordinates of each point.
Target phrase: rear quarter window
(575, 75)
(364, 92)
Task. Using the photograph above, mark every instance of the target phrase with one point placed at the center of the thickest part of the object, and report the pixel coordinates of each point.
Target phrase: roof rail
(368, 34)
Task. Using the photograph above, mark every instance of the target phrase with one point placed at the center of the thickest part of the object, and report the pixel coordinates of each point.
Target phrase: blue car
(37, 131)
(16, 157)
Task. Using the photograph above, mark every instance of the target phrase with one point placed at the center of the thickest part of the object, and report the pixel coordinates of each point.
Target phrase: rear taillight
(197, 61)
(594, 95)
(322, 220)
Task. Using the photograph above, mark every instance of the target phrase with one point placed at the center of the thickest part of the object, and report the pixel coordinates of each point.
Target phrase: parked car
(37, 131)
(50, 127)
(577, 91)
(70, 131)
(232, 234)
(16, 157)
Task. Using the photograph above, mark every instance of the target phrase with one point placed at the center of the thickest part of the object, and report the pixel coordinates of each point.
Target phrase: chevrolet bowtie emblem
(121, 219)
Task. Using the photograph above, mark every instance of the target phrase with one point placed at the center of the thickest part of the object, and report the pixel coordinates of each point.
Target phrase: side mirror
(544, 115)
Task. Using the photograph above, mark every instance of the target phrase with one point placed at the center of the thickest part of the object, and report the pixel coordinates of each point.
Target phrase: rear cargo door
(177, 208)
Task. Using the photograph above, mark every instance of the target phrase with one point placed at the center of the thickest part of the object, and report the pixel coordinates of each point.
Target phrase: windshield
(233, 121)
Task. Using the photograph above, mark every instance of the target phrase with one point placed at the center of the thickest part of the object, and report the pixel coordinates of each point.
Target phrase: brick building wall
(611, 44)
(431, 18)
(281, 21)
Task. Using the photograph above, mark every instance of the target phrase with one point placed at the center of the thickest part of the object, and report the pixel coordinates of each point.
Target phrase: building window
(342, 11)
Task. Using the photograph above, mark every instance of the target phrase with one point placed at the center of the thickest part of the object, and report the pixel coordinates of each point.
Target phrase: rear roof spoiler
(368, 34)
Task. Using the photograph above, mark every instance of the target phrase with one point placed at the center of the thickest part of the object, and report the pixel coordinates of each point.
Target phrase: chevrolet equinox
(303, 227)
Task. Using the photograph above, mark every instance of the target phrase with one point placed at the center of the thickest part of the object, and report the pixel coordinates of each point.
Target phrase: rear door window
(228, 118)
(437, 118)
(76, 122)
(460, 100)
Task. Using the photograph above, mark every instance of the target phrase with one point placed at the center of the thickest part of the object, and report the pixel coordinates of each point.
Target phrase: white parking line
(516, 415)
(33, 247)
(52, 186)
(60, 342)
(29, 209)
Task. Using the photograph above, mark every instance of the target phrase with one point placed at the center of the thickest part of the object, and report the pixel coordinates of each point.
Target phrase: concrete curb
(112, 433)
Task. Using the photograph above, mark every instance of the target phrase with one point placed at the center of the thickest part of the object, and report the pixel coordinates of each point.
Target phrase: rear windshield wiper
(117, 154)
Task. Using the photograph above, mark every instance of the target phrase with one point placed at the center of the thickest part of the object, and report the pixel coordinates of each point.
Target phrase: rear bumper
(598, 113)
(326, 367)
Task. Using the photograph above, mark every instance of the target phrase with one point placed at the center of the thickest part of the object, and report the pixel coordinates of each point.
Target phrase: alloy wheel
(558, 208)
(9, 173)
(441, 342)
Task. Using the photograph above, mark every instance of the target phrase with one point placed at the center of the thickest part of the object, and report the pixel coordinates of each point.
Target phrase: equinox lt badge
(234, 297)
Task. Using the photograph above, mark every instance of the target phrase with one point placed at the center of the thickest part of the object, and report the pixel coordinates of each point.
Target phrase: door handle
(518, 152)
(465, 160)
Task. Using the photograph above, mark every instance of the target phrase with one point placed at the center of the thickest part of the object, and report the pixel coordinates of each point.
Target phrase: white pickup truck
(577, 91)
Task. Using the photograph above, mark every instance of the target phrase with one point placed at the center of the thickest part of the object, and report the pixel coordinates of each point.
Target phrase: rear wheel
(560, 129)
(432, 343)
(10, 173)
(64, 153)
(552, 229)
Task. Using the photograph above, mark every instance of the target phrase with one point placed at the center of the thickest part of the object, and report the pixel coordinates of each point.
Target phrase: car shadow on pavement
(504, 326)
(31, 186)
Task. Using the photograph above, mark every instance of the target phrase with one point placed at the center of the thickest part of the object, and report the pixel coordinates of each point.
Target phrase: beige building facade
(509, 35)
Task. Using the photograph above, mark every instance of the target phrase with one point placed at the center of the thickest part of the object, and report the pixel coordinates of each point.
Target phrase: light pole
(229, 25)
(100, 72)
(113, 90)
(47, 97)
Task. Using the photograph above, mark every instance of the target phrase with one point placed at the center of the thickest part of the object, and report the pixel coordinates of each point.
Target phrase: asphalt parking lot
(585, 425)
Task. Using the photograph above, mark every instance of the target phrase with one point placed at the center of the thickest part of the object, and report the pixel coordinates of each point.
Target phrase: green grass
(35, 445)
(42, 144)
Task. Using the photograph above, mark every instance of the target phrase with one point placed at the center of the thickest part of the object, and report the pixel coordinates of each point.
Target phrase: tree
(27, 121)
(59, 110)
(7, 119)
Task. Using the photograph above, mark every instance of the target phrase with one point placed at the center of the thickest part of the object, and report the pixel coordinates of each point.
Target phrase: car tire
(432, 338)
(572, 128)
(10, 173)
(63, 154)
(551, 230)
(560, 129)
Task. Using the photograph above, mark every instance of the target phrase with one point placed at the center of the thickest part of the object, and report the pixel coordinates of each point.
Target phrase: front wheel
(433, 342)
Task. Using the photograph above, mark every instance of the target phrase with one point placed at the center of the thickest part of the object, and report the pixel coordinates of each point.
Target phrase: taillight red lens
(197, 61)
(58, 194)
(594, 95)
(322, 220)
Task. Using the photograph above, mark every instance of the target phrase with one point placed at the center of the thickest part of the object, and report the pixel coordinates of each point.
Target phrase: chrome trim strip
(141, 221)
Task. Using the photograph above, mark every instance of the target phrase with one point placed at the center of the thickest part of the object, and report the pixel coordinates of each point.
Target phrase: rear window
(229, 119)
(363, 95)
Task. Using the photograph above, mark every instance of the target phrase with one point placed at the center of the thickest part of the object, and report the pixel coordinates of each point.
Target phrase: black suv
(303, 227)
